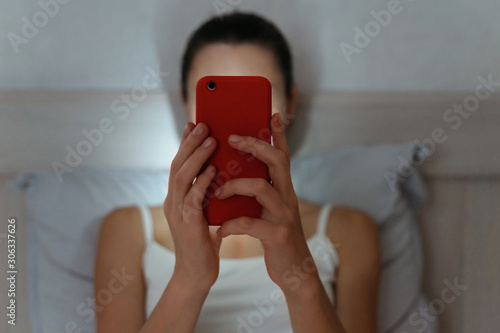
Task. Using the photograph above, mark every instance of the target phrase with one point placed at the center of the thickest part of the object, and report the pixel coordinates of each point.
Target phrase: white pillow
(382, 181)
(63, 225)
(64, 219)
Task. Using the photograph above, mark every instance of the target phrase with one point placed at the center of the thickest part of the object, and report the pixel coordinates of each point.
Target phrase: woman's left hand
(279, 228)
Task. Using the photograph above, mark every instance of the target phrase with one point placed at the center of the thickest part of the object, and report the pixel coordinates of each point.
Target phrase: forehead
(234, 59)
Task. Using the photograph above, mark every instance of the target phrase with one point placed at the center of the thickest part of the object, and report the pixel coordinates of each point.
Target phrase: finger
(278, 133)
(259, 188)
(193, 201)
(192, 140)
(246, 225)
(183, 179)
(276, 160)
(189, 127)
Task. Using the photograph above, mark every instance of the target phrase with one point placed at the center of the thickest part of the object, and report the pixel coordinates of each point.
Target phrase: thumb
(216, 239)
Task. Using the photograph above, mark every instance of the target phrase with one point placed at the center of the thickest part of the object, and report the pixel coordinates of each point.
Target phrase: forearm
(178, 308)
(310, 308)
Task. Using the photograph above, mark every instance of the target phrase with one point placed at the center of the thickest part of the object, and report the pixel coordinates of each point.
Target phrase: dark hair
(236, 28)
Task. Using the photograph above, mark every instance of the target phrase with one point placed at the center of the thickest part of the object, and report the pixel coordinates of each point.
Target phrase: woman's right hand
(196, 245)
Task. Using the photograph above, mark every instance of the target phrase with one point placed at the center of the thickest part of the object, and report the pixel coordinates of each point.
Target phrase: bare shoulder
(122, 228)
(355, 235)
(344, 221)
(118, 271)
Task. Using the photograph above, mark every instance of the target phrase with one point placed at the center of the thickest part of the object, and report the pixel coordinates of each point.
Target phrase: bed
(459, 222)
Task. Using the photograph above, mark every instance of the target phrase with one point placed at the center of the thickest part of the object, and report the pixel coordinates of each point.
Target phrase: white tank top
(243, 299)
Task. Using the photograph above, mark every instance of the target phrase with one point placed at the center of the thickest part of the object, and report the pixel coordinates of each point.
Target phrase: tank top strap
(323, 217)
(147, 222)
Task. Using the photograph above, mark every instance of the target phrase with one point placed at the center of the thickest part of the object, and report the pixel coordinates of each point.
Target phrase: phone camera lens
(211, 85)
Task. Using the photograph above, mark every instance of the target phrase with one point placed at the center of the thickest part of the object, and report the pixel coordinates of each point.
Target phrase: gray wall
(95, 44)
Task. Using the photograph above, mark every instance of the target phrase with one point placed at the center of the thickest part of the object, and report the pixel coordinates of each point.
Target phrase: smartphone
(233, 105)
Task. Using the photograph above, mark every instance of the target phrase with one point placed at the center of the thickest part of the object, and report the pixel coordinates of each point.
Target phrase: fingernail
(210, 168)
(234, 138)
(185, 128)
(217, 192)
(207, 143)
(198, 130)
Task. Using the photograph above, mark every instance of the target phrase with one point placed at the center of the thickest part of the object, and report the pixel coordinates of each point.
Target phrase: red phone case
(237, 105)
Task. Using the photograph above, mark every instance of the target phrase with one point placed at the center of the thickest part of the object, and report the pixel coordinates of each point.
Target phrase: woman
(273, 274)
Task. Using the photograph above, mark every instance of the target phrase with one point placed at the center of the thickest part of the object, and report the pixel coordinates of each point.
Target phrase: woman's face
(239, 59)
